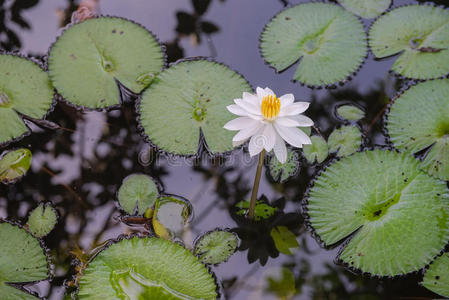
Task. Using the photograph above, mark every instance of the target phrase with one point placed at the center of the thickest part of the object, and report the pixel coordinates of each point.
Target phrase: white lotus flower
(269, 121)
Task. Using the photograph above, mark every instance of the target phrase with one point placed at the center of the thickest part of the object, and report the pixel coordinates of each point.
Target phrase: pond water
(80, 167)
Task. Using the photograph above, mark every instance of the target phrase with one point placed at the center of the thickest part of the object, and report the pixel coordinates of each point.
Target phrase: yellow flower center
(271, 105)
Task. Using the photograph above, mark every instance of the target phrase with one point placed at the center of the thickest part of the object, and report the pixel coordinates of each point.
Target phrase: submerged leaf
(283, 287)
(137, 193)
(419, 119)
(187, 98)
(350, 112)
(317, 151)
(146, 268)
(216, 246)
(420, 33)
(436, 278)
(170, 216)
(14, 164)
(316, 34)
(284, 239)
(281, 172)
(345, 140)
(396, 216)
(42, 220)
(367, 9)
(89, 58)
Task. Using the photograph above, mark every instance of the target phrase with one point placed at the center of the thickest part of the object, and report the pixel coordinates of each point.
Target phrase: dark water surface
(80, 168)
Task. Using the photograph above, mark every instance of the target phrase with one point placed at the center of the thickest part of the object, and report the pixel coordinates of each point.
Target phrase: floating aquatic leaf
(350, 112)
(396, 215)
(367, 9)
(281, 172)
(436, 277)
(89, 58)
(216, 246)
(24, 89)
(146, 268)
(22, 260)
(42, 220)
(316, 34)
(170, 216)
(186, 98)
(418, 119)
(14, 164)
(317, 151)
(345, 140)
(282, 286)
(137, 193)
(261, 211)
(284, 239)
(420, 33)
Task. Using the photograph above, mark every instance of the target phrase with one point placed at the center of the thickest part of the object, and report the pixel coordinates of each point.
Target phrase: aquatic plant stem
(252, 204)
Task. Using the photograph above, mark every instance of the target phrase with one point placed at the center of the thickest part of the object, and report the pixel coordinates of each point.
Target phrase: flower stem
(252, 204)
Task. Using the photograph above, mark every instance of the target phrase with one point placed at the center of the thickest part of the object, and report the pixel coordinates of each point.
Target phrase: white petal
(280, 150)
(240, 123)
(294, 109)
(237, 110)
(244, 134)
(248, 106)
(268, 91)
(270, 137)
(287, 122)
(260, 92)
(302, 120)
(287, 100)
(251, 98)
(257, 142)
(293, 135)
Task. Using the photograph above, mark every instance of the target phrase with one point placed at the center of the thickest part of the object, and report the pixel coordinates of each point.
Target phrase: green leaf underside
(42, 220)
(421, 32)
(146, 268)
(89, 57)
(317, 151)
(350, 112)
(419, 119)
(281, 172)
(367, 9)
(137, 193)
(186, 97)
(21, 260)
(261, 211)
(284, 239)
(172, 214)
(24, 87)
(398, 215)
(345, 140)
(317, 34)
(436, 277)
(216, 246)
(14, 164)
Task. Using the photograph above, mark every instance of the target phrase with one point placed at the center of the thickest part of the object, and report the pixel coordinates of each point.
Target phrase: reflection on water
(80, 167)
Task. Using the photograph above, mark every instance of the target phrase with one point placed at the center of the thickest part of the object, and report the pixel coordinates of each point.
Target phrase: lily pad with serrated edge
(436, 278)
(317, 151)
(394, 217)
(89, 58)
(22, 260)
(189, 97)
(281, 172)
(215, 247)
(345, 140)
(329, 42)
(418, 119)
(367, 9)
(42, 220)
(349, 112)
(14, 165)
(137, 193)
(146, 268)
(420, 33)
(25, 89)
(171, 213)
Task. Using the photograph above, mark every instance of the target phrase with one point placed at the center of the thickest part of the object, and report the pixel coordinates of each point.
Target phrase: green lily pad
(25, 88)
(281, 172)
(345, 140)
(216, 246)
(137, 193)
(350, 112)
(284, 239)
(316, 34)
(261, 211)
(317, 151)
(14, 165)
(22, 260)
(367, 9)
(146, 268)
(170, 216)
(42, 220)
(395, 215)
(418, 119)
(89, 58)
(436, 277)
(187, 98)
(420, 33)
